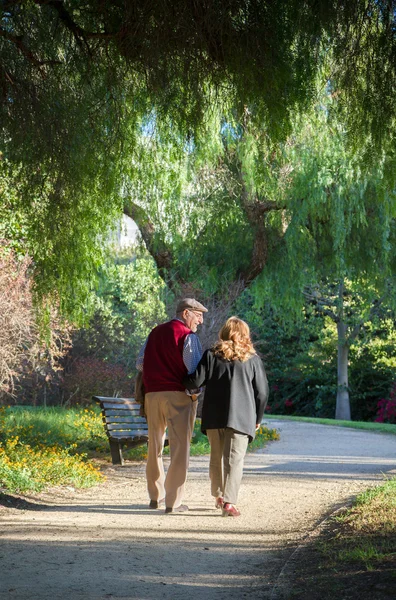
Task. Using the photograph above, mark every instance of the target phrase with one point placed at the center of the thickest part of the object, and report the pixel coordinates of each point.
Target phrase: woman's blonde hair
(234, 341)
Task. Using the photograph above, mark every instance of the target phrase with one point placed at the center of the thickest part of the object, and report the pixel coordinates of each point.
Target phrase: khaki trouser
(227, 452)
(175, 411)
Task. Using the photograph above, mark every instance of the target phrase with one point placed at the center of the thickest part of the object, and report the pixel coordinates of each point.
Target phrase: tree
(294, 214)
(79, 82)
(63, 228)
(301, 356)
(350, 307)
(340, 239)
(267, 53)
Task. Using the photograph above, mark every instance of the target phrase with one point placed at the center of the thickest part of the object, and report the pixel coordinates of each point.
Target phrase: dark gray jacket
(236, 392)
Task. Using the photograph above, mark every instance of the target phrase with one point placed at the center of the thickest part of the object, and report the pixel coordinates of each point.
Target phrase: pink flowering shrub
(17, 326)
(30, 354)
(386, 408)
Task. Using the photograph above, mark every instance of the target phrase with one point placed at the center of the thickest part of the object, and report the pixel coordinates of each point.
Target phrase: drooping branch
(17, 40)
(324, 304)
(155, 244)
(374, 310)
(80, 34)
(321, 303)
(256, 210)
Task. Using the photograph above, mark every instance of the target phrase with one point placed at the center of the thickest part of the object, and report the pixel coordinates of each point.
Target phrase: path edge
(283, 585)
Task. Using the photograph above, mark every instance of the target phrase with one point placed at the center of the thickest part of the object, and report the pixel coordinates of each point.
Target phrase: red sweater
(163, 366)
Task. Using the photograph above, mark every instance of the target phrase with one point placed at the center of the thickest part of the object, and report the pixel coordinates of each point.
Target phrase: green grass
(40, 447)
(55, 426)
(356, 553)
(200, 444)
(380, 427)
(368, 529)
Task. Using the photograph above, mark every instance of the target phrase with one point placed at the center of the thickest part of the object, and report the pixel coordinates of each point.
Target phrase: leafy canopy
(79, 82)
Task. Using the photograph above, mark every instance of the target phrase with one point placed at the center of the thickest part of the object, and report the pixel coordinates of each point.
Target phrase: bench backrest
(121, 417)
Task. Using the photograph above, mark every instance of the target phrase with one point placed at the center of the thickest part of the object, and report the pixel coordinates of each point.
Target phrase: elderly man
(171, 352)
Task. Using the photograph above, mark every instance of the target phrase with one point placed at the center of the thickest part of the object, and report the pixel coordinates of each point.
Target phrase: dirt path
(104, 543)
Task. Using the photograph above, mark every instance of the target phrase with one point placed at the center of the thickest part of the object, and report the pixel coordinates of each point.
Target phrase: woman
(235, 399)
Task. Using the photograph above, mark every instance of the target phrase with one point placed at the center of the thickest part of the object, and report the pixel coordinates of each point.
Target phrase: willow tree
(267, 53)
(76, 81)
(340, 234)
(307, 214)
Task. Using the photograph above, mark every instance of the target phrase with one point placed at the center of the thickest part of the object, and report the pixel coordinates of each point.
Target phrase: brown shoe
(229, 510)
(176, 509)
(156, 503)
(219, 502)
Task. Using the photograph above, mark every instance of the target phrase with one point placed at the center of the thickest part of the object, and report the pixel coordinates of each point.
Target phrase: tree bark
(255, 210)
(155, 244)
(343, 408)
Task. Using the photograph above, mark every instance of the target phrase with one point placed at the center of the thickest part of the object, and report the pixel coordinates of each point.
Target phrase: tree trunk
(343, 408)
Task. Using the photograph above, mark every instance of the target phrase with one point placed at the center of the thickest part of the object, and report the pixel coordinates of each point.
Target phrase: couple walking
(236, 392)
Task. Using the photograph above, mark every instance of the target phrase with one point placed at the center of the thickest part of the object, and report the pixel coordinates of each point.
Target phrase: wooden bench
(123, 423)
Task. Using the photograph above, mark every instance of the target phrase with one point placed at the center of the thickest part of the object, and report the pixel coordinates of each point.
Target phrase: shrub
(95, 377)
(41, 447)
(25, 468)
(386, 408)
(33, 340)
(17, 329)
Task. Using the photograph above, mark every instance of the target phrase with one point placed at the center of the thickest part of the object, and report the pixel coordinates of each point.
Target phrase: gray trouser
(227, 452)
(175, 411)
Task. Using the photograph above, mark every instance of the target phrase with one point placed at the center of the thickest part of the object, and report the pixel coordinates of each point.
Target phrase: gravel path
(104, 542)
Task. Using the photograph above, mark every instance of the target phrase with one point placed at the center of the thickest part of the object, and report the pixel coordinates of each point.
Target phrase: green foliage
(301, 361)
(82, 86)
(62, 227)
(339, 217)
(88, 59)
(372, 368)
(129, 302)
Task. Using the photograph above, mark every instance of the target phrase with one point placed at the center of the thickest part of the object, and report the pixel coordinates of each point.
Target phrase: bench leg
(116, 453)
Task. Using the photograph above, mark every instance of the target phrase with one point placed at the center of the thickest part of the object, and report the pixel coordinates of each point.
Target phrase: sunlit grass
(200, 444)
(366, 533)
(45, 447)
(379, 427)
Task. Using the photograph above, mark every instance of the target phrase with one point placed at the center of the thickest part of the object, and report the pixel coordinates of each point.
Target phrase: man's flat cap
(191, 304)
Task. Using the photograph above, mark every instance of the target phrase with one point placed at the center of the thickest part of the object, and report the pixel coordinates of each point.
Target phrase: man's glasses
(199, 315)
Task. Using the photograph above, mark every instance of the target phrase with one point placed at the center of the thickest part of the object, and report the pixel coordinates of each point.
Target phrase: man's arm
(192, 353)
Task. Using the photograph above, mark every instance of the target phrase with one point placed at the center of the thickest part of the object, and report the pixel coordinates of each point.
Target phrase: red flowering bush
(289, 406)
(386, 408)
(90, 376)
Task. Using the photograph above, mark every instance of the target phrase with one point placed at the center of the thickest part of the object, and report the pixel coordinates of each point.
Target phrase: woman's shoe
(229, 510)
(219, 502)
